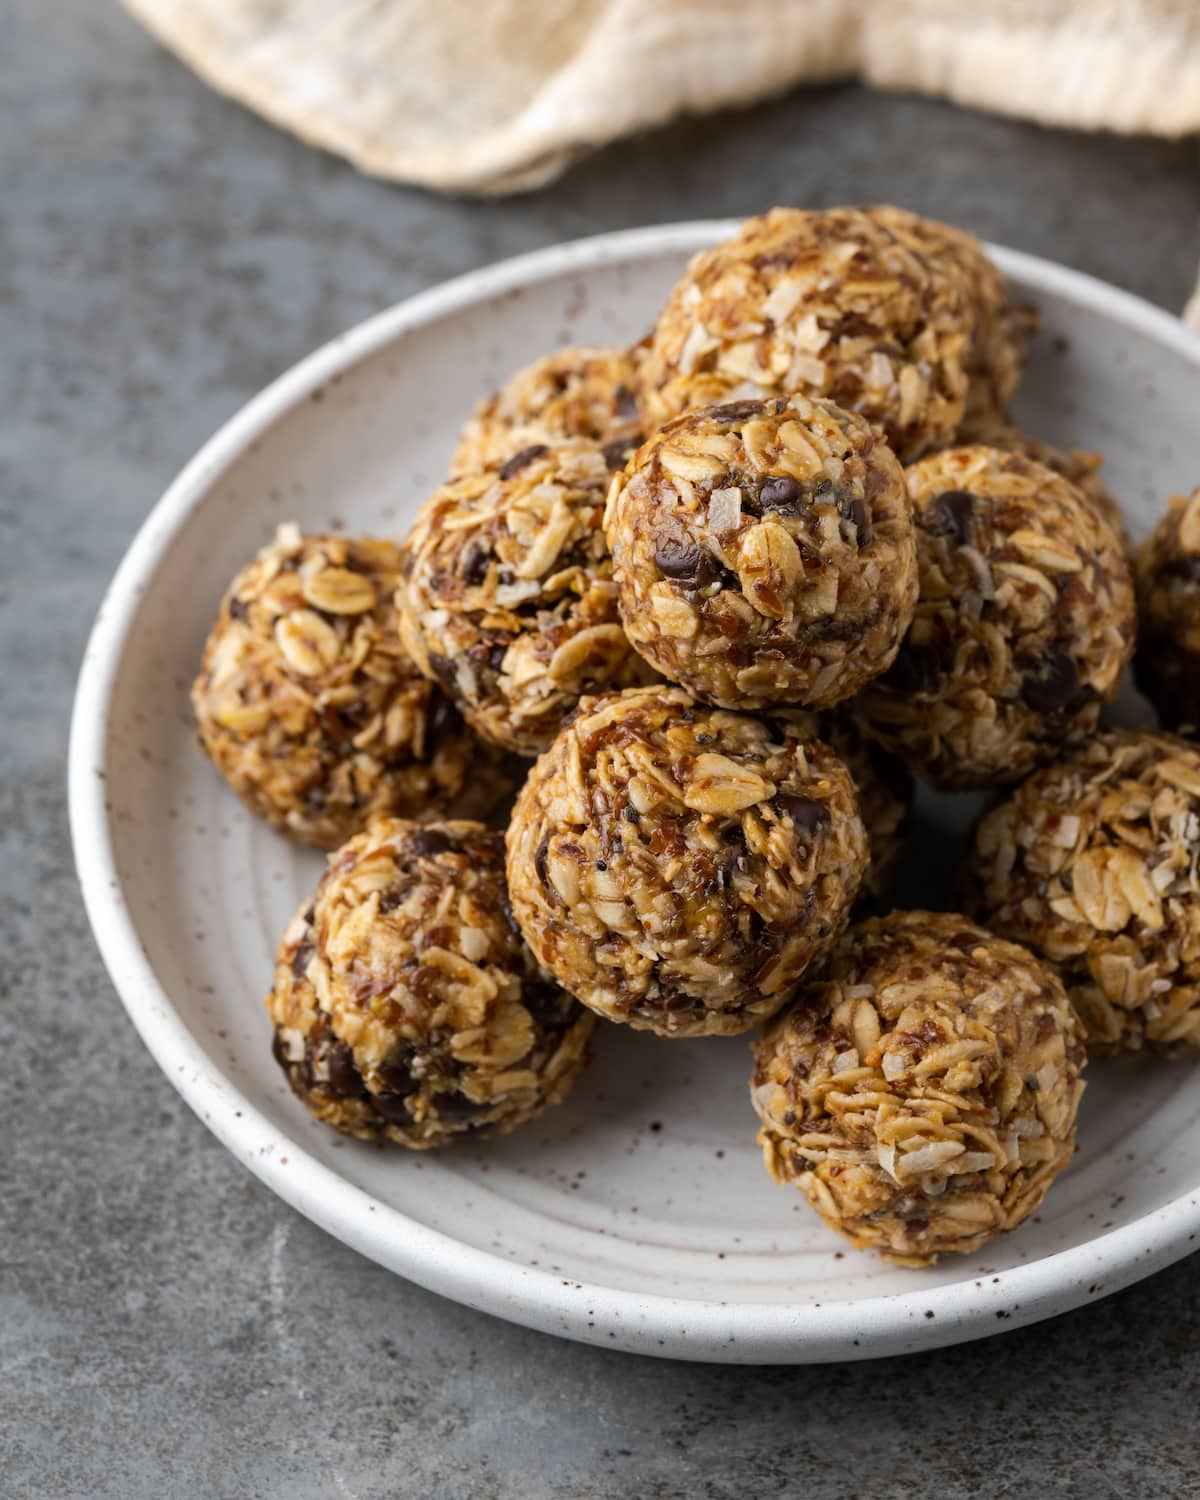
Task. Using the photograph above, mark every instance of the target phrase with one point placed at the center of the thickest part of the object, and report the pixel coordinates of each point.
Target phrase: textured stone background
(169, 1328)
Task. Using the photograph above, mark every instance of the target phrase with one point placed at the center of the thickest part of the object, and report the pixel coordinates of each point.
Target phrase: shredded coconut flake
(724, 509)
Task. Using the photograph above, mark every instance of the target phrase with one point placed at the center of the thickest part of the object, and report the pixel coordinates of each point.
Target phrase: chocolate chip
(735, 411)
(779, 492)
(853, 509)
(630, 813)
(426, 842)
(475, 562)
(952, 513)
(686, 563)
(396, 1072)
(393, 1107)
(808, 817)
(454, 1106)
(487, 655)
(617, 452)
(518, 461)
(344, 1077)
(1052, 685)
(624, 403)
(540, 865)
(300, 959)
(239, 609)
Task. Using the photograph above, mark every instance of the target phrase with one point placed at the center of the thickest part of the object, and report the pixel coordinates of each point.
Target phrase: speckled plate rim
(736, 1332)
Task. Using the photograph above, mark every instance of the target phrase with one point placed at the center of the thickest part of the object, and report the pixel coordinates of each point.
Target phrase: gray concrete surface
(167, 1327)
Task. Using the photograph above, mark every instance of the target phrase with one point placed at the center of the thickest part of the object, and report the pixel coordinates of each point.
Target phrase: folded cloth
(490, 96)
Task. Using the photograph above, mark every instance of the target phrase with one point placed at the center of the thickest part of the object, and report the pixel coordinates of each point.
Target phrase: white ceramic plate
(637, 1215)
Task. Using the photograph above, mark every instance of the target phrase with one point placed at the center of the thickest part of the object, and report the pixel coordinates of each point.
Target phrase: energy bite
(1023, 627)
(406, 1008)
(923, 1093)
(1080, 468)
(678, 867)
(764, 553)
(312, 710)
(846, 303)
(1167, 576)
(1092, 863)
(507, 596)
(579, 392)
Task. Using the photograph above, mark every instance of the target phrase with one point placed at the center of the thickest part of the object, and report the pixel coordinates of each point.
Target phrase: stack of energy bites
(731, 587)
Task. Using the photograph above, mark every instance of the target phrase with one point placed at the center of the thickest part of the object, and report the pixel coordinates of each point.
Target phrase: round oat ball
(1078, 466)
(846, 303)
(312, 710)
(764, 553)
(678, 867)
(1023, 627)
(580, 392)
(507, 596)
(922, 1094)
(1167, 575)
(406, 1008)
(1092, 863)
